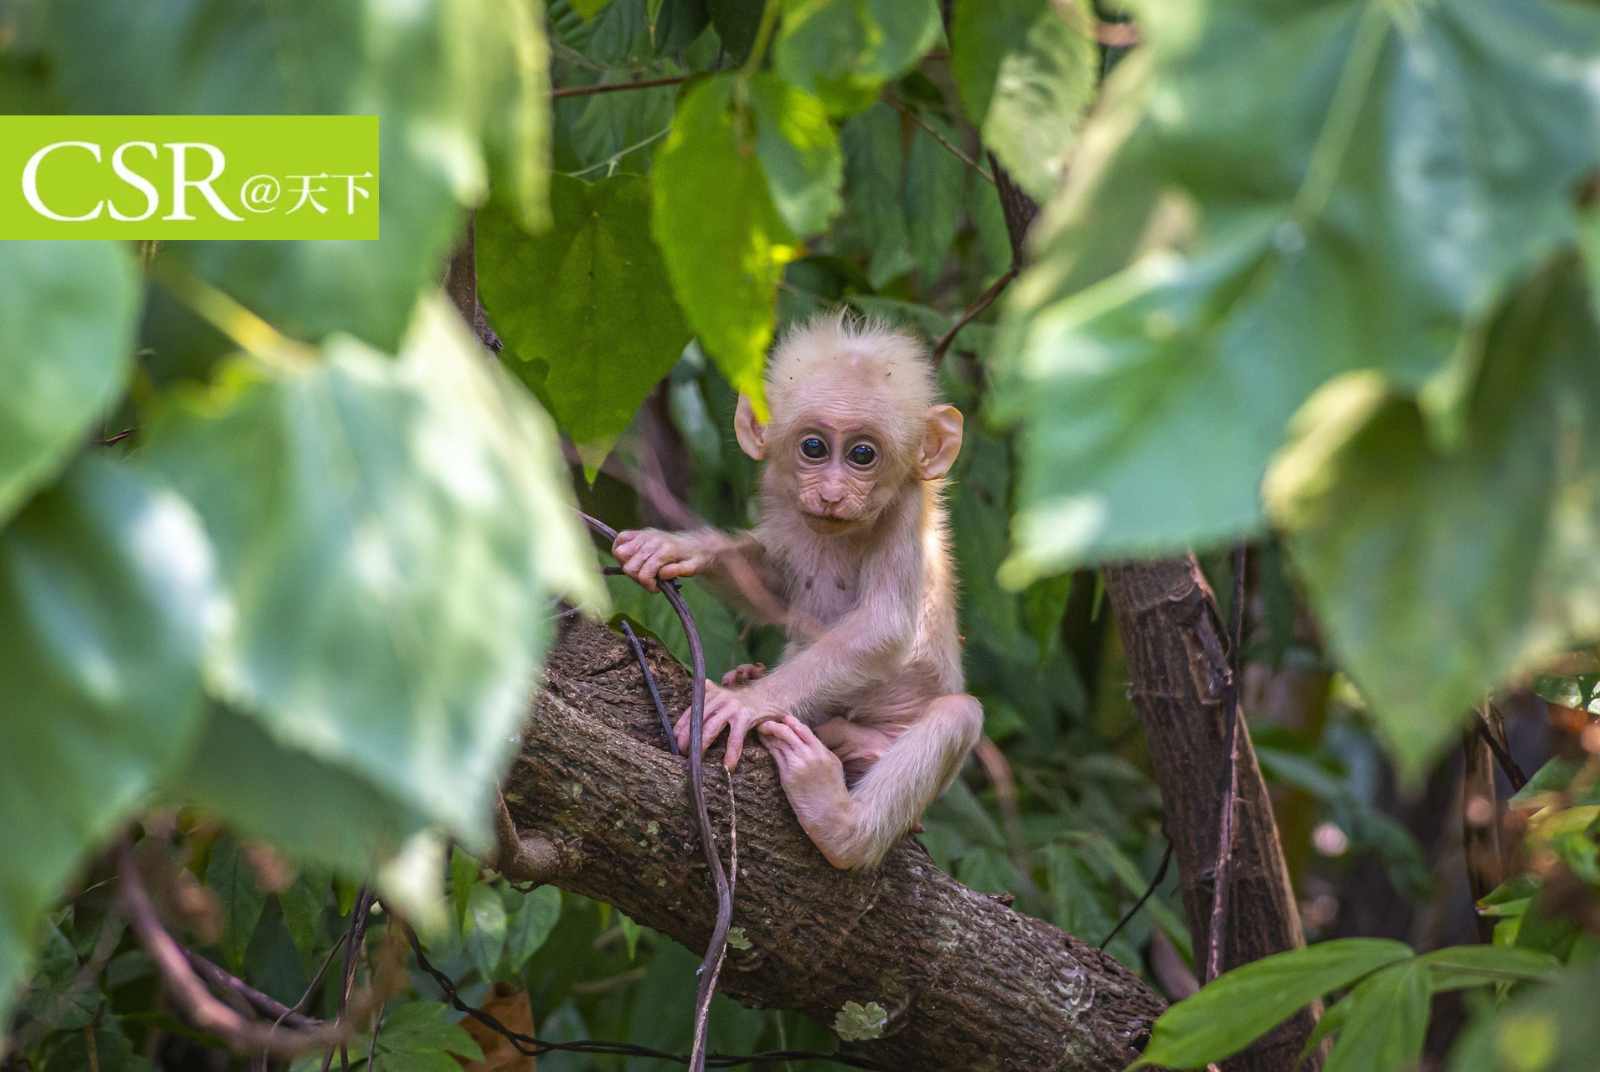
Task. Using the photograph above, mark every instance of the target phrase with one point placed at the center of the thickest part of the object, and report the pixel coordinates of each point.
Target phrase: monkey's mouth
(827, 522)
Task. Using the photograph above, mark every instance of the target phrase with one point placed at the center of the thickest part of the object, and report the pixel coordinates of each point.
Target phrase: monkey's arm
(733, 562)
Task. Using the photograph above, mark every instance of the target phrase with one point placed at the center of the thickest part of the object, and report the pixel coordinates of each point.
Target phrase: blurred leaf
(52, 1001)
(723, 240)
(1245, 1003)
(391, 598)
(1026, 70)
(463, 880)
(485, 928)
(1478, 965)
(66, 347)
(305, 906)
(799, 152)
(418, 1036)
(531, 922)
(230, 876)
(557, 298)
(935, 192)
(874, 176)
(845, 50)
(737, 22)
(1547, 1029)
(1425, 621)
(1385, 1022)
(429, 70)
(1323, 248)
(106, 593)
(589, 8)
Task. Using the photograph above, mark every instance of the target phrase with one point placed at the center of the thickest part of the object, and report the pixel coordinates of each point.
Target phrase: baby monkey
(865, 715)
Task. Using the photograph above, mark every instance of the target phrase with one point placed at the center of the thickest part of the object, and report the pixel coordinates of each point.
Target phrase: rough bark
(1178, 670)
(964, 982)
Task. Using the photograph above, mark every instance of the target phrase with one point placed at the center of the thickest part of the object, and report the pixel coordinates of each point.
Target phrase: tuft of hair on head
(863, 360)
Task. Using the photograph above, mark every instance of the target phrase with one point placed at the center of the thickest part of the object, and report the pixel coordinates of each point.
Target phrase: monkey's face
(840, 476)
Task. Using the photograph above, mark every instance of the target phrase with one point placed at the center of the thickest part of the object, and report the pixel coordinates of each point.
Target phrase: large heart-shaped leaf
(66, 344)
(106, 593)
(429, 70)
(1356, 191)
(1439, 573)
(392, 567)
(558, 301)
(845, 50)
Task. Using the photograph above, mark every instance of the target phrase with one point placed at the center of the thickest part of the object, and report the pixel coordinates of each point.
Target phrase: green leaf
(1026, 70)
(1293, 224)
(485, 928)
(721, 235)
(1245, 1003)
(443, 76)
(737, 23)
(531, 922)
(1478, 965)
(106, 593)
(1424, 621)
(52, 1001)
(555, 299)
(305, 906)
(66, 346)
(589, 8)
(935, 194)
(799, 152)
(875, 211)
(845, 50)
(237, 772)
(229, 875)
(419, 1029)
(391, 568)
(1385, 1023)
(464, 871)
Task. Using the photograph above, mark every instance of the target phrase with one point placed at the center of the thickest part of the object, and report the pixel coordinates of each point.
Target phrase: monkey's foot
(743, 673)
(813, 780)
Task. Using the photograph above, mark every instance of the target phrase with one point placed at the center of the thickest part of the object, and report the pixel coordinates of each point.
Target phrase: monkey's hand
(649, 555)
(737, 710)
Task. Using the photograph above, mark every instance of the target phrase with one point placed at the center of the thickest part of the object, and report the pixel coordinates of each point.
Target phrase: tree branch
(916, 969)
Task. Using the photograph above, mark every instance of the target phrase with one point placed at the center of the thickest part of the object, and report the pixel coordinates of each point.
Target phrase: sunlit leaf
(799, 152)
(723, 239)
(1027, 71)
(393, 566)
(844, 50)
(428, 70)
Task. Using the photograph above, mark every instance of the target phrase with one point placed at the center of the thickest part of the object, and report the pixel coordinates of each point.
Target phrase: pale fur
(873, 660)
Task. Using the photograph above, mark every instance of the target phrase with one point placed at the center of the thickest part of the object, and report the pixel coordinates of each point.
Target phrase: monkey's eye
(862, 454)
(813, 448)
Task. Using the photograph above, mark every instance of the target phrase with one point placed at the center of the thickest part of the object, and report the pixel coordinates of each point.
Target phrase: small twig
(197, 1004)
(934, 133)
(264, 1004)
(615, 87)
(1149, 891)
(1513, 772)
(355, 939)
(1230, 789)
(650, 686)
(719, 941)
(986, 299)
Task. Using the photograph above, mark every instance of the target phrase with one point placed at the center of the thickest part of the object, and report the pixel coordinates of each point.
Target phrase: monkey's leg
(855, 828)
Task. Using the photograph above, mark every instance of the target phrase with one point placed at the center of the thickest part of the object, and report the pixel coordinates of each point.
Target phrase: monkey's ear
(941, 442)
(751, 433)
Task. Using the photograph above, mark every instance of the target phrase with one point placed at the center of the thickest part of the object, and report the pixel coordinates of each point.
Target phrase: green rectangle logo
(264, 177)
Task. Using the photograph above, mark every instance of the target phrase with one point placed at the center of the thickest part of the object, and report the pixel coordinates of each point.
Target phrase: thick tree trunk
(959, 980)
(1178, 670)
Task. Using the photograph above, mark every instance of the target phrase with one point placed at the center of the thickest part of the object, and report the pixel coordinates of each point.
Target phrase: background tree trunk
(962, 981)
